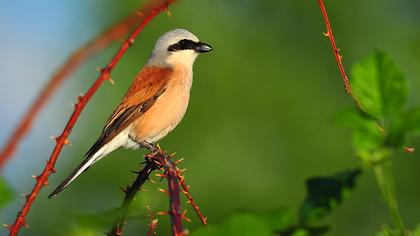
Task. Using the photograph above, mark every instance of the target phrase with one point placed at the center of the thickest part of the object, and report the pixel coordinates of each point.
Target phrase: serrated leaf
(367, 134)
(397, 134)
(326, 193)
(245, 223)
(6, 194)
(351, 118)
(365, 141)
(379, 85)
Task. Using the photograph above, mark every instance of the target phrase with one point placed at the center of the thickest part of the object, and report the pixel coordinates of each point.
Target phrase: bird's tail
(90, 160)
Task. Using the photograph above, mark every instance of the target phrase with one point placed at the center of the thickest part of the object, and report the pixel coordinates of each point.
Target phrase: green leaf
(277, 219)
(367, 135)
(351, 118)
(366, 142)
(245, 223)
(379, 85)
(325, 193)
(6, 194)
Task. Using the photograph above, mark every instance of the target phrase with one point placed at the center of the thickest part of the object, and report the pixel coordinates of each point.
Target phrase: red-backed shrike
(155, 102)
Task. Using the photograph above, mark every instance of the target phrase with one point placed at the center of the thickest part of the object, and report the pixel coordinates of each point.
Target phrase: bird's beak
(202, 47)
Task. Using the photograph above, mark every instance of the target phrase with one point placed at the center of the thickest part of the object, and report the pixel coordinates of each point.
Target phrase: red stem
(75, 60)
(42, 179)
(174, 200)
(153, 223)
(336, 50)
(186, 190)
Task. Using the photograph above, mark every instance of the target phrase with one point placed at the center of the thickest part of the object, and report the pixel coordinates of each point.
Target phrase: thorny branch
(383, 171)
(153, 222)
(329, 34)
(130, 194)
(158, 159)
(74, 61)
(42, 179)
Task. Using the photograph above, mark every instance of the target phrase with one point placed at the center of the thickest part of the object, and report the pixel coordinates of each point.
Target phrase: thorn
(178, 161)
(181, 178)
(46, 183)
(163, 191)
(151, 180)
(111, 81)
(66, 142)
(184, 216)
(409, 150)
(26, 225)
(140, 14)
(55, 138)
(53, 170)
(135, 172)
(326, 34)
(34, 176)
(7, 226)
(181, 171)
(144, 162)
(144, 190)
(130, 42)
(156, 162)
(125, 190)
(80, 98)
(161, 175)
(162, 213)
(172, 155)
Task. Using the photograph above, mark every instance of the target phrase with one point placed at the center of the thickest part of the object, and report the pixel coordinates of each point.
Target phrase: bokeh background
(259, 121)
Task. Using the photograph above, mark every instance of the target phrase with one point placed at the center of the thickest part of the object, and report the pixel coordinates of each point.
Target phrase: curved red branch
(80, 56)
(42, 179)
(186, 190)
(336, 50)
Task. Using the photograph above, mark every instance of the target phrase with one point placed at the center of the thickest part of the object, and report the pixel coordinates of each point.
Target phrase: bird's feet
(154, 148)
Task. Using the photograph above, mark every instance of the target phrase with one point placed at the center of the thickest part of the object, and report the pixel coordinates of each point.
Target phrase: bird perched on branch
(155, 102)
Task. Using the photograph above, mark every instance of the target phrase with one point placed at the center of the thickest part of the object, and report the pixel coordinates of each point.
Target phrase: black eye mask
(186, 44)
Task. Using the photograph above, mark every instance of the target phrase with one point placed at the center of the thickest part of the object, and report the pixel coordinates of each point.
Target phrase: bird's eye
(183, 44)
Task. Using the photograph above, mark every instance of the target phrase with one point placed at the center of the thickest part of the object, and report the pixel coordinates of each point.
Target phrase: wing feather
(149, 85)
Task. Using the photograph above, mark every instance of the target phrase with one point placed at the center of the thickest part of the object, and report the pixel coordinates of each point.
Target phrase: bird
(154, 104)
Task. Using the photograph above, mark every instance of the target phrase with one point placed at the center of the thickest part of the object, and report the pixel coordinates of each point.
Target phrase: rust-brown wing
(148, 86)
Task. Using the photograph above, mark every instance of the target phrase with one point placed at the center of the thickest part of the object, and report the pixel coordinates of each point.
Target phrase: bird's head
(177, 46)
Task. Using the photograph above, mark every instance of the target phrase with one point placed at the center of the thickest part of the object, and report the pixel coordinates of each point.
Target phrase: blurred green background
(259, 120)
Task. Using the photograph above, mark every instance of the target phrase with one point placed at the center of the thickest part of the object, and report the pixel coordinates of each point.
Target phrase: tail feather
(90, 160)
